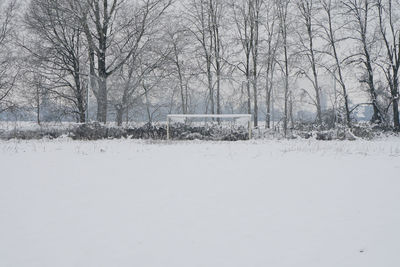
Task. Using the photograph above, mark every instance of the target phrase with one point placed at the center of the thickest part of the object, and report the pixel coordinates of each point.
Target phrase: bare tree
(146, 52)
(283, 15)
(59, 47)
(139, 72)
(152, 88)
(200, 20)
(177, 38)
(216, 9)
(247, 16)
(272, 41)
(307, 10)
(330, 33)
(358, 11)
(37, 94)
(390, 34)
(102, 26)
(7, 77)
(256, 6)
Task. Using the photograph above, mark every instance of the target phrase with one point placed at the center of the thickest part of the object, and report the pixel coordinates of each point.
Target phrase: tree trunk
(80, 96)
(291, 110)
(38, 109)
(149, 117)
(255, 10)
(268, 102)
(315, 74)
(285, 121)
(255, 92)
(269, 83)
(248, 95)
(210, 86)
(82, 116)
(102, 100)
(376, 117)
(120, 113)
(395, 104)
(102, 81)
(396, 114)
(218, 93)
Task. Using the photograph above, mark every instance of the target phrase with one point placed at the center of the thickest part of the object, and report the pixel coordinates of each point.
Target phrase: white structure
(221, 116)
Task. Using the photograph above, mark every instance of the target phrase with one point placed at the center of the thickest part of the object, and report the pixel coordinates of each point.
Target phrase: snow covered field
(182, 204)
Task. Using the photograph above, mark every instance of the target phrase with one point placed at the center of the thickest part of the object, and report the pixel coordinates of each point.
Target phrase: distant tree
(177, 37)
(140, 75)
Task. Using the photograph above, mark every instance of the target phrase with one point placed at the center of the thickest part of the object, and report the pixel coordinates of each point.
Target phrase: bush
(32, 134)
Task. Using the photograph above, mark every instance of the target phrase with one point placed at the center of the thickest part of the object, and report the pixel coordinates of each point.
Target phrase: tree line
(283, 61)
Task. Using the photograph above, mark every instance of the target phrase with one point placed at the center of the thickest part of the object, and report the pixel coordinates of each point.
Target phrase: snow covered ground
(180, 204)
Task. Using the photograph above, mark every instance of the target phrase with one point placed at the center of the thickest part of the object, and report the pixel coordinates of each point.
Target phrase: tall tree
(272, 40)
(59, 46)
(147, 51)
(201, 15)
(103, 26)
(330, 33)
(255, 16)
(283, 15)
(307, 10)
(8, 72)
(247, 16)
(359, 12)
(216, 9)
(389, 29)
